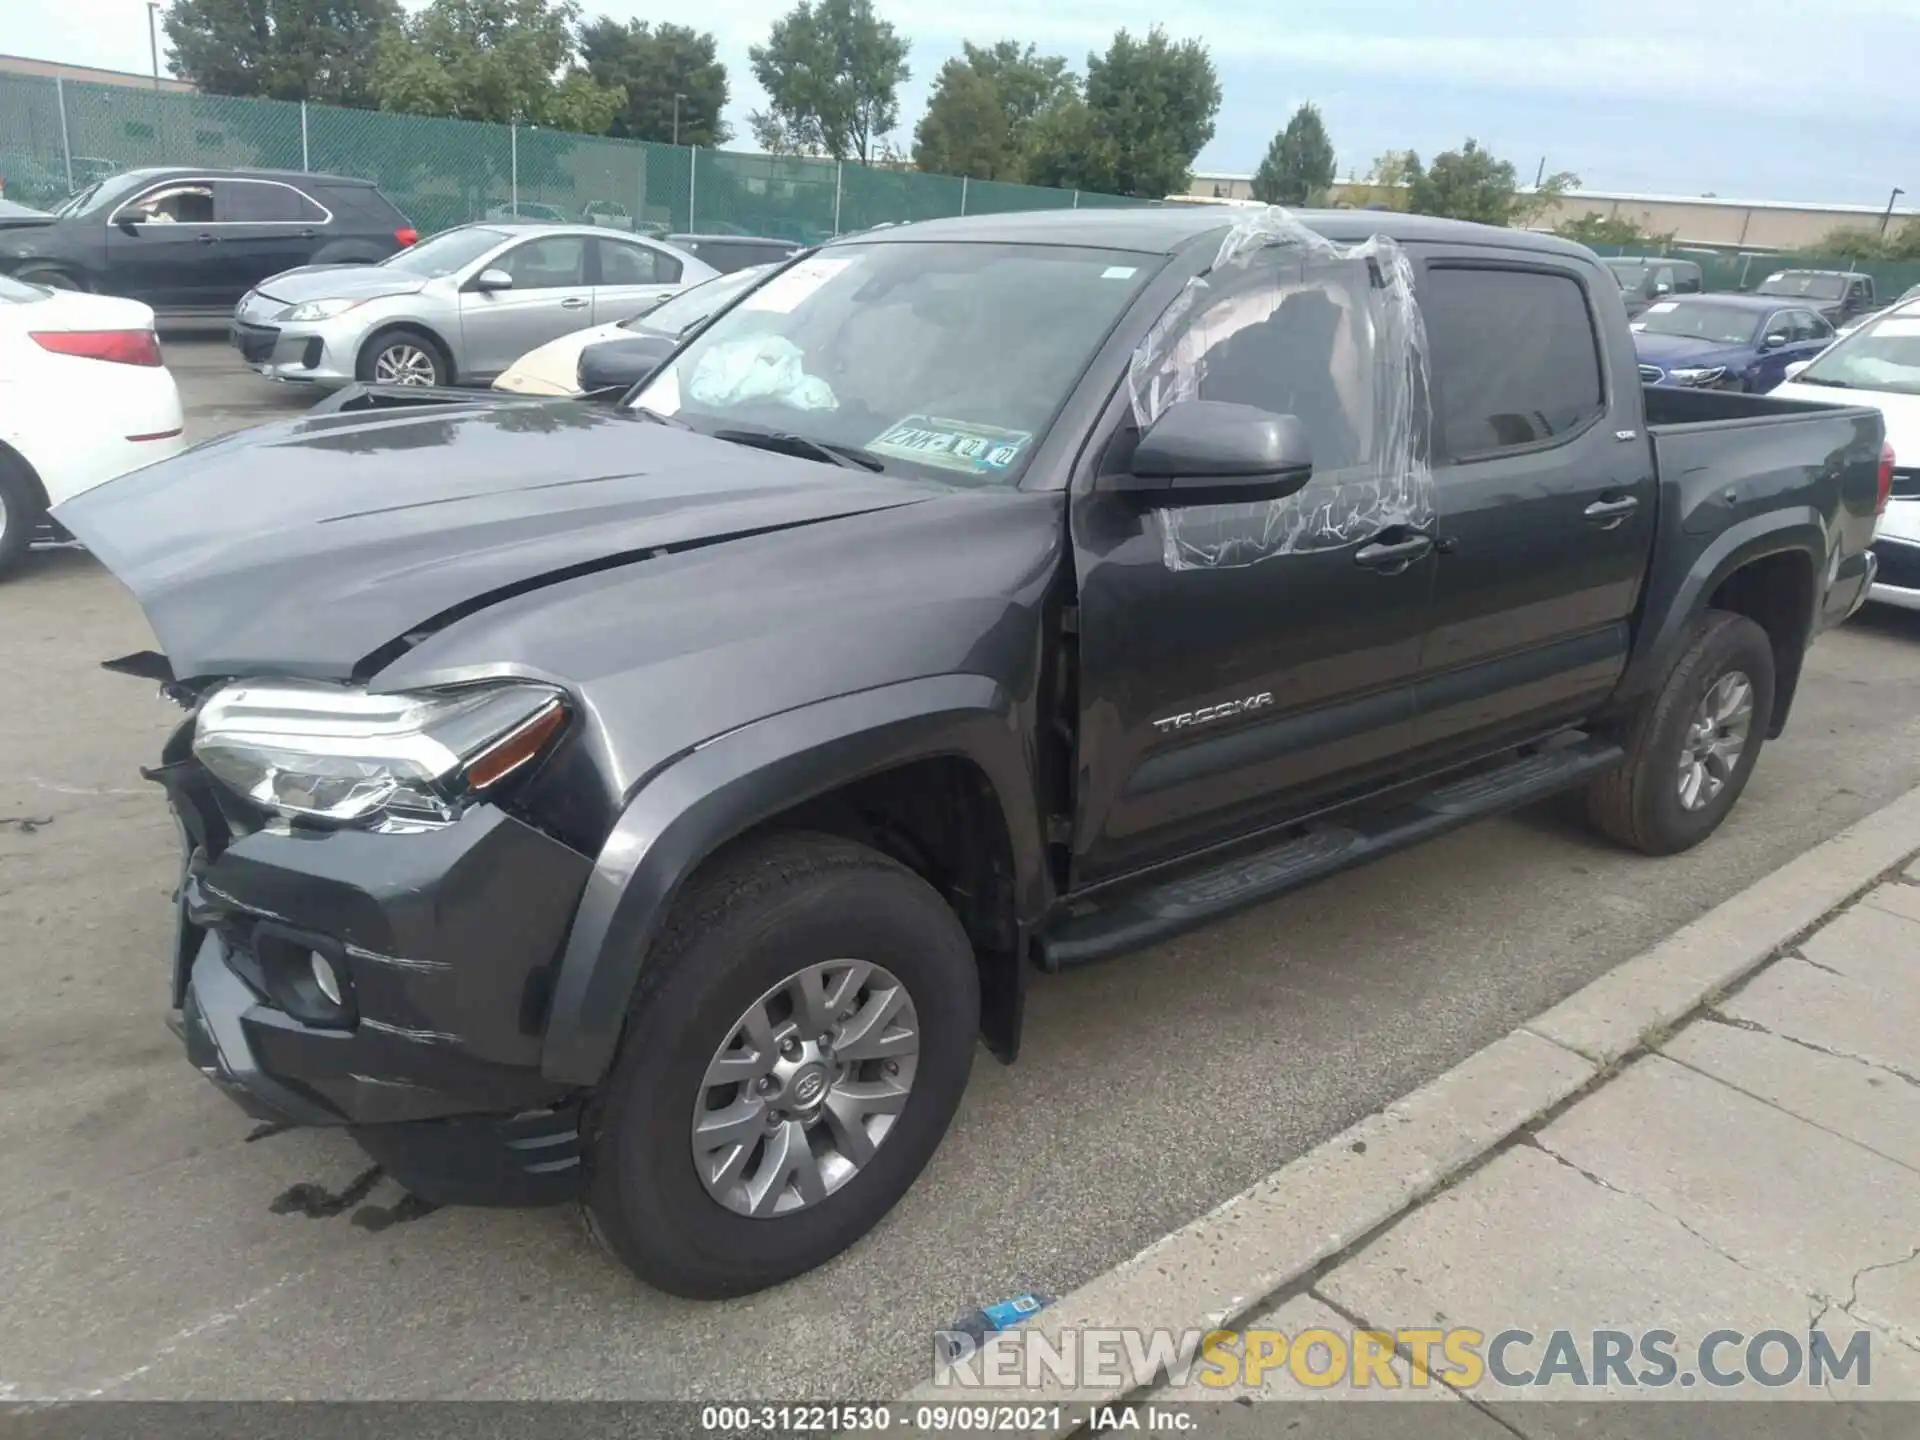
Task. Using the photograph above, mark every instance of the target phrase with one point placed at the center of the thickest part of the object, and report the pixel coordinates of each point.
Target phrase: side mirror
(493, 278)
(1212, 452)
(1773, 341)
(1662, 288)
(130, 220)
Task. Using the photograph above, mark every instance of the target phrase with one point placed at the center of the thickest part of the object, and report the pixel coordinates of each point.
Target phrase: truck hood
(338, 282)
(305, 548)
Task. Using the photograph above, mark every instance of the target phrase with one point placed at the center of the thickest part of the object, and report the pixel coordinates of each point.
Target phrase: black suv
(192, 242)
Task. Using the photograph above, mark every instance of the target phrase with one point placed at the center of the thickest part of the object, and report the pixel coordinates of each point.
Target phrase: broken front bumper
(442, 944)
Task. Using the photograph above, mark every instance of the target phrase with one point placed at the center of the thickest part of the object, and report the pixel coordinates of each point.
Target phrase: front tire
(403, 356)
(1693, 743)
(796, 1048)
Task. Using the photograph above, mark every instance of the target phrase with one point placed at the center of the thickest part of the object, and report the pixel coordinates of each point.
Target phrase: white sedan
(1879, 365)
(83, 398)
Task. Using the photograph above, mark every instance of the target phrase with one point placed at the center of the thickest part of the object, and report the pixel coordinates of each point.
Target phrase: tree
(1594, 228)
(1068, 149)
(1298, 164)
(651, 65)
(1861, 242)
(832, 72)
(1388, 183)
(984, 106)
(318, 50)
(499, 60)
(1150, 107)
(1472, 184)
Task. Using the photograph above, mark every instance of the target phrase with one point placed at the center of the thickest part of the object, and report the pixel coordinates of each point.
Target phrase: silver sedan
(456, 309)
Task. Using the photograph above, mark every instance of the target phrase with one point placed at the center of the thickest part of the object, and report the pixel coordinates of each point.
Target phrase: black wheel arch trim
(723, 788)
(1682, 600)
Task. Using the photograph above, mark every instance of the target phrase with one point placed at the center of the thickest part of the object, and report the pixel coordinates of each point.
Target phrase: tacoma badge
(1214, 712)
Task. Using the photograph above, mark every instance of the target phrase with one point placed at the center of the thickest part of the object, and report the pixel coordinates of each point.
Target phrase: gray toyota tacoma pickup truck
(654, 804)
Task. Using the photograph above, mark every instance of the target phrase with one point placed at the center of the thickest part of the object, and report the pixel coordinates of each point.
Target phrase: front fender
(728, 785)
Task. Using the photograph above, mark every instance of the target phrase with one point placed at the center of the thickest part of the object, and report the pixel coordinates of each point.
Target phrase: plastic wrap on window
(1286, 320)
(762, 367)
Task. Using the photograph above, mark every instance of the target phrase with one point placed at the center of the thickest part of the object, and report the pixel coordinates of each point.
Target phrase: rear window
(362, 202)
(1515, 359)
(263, 202)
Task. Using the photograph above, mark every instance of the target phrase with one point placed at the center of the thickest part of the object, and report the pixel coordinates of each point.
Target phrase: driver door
(164, 249)
(549, 297)
(1230, 680)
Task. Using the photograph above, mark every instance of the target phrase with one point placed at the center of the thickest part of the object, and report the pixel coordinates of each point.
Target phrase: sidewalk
(1721, 1135)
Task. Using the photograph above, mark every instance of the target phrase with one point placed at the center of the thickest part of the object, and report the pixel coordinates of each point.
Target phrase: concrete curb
(1225, 1266)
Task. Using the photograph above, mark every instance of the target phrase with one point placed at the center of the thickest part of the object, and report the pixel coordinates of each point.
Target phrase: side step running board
(1159, 911)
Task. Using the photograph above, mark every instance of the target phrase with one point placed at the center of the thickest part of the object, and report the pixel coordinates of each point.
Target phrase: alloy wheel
(403, 363)
(1716, 736)
(806, 1087)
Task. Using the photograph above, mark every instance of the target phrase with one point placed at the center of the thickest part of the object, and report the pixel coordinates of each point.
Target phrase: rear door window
(1515, 359)
(624, 264)
(258, 202)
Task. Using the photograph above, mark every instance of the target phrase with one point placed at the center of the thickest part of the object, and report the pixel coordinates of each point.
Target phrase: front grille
(1906, 484)
(1899, 564)
(254, 342)
(1651, 374)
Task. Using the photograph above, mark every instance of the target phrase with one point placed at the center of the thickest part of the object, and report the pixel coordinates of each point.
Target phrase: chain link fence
(59, 136)
(1746, 271)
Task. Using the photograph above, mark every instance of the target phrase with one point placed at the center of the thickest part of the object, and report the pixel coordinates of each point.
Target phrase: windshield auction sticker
(952, 444)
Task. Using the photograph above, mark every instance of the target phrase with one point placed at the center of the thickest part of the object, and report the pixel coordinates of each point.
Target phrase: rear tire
(773, 909)
(48, 277)
(1681, 776)
(403, 356)
(20, 512)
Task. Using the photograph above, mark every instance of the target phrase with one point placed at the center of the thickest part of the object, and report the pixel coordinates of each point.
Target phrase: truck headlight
(1708, 375)
(339, 755)
(318, 309)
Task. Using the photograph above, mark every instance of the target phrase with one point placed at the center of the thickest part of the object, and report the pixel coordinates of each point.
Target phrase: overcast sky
(1770, 99)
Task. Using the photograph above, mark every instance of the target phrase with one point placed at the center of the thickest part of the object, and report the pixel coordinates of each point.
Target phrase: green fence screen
(56, 137)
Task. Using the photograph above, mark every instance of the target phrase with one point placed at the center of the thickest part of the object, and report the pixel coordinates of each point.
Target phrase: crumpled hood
(337, 282)
(305, 547)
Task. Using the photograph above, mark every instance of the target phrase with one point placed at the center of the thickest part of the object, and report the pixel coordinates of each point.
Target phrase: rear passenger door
(1544, 488)
(266, 226)
(632, 278)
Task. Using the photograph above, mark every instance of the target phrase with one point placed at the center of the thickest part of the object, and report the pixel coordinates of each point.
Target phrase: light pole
(1887, 219)
(153, 38)
(676, 117)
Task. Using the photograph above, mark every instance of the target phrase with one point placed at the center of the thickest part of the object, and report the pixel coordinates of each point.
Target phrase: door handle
(307, 234)
(205, 239)
(1392, 556)
(1609, 513)
(573, 302)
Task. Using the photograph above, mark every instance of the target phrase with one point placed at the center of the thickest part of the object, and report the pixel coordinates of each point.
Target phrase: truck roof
(1162, 231)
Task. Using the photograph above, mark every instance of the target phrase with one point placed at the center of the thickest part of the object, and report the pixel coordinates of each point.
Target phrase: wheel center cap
(809, 1083)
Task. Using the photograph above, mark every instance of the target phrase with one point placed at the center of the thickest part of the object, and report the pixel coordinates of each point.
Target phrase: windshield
(101, 192)
(691, 306)
(1805, 283)
(947, 360)
(1883, 354)
(446, 252)
(13, 292)
(1721, 324)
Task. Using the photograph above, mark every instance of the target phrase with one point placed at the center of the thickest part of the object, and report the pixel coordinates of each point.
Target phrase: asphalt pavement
(150, 1248)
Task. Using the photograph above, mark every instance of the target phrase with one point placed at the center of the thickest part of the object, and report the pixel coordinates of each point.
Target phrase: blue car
(1726, 342)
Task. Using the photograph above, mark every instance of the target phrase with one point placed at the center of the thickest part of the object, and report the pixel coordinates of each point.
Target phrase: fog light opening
(324, 977)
